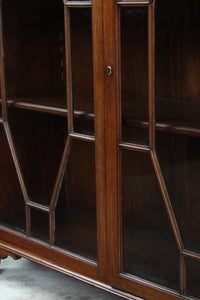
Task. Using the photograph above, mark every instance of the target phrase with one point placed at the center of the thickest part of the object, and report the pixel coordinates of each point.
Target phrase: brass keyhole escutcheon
(109, 70)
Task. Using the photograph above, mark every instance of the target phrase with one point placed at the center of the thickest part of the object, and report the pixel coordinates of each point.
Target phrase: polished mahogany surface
(99, 147)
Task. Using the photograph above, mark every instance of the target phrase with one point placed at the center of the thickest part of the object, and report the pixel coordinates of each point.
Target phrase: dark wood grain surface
(100, 172)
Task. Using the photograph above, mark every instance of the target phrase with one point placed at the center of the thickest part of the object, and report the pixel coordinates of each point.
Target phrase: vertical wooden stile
(99, 111)
(109, 25)
(119, 133)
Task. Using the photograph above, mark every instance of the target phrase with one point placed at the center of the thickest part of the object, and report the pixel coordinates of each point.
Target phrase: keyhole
(109, 70)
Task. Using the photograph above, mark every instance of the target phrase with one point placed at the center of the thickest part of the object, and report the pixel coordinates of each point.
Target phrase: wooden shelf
(133, 3)
(173, 127)
(34, 105)
(78, 4)
(171, 115)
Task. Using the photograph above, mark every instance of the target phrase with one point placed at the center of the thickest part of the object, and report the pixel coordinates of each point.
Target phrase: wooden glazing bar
(191, 254)
(60, 175)
(82, 137)
(167, 201)
(134, 3)
(68, 69)
(15, 160)
(61, 171)
(119, 133)
(182, 275)
(2, 69)
(79, 4)
(28, 220)
(52, 227)
(151, 76)
(38, 206)
(135, 147)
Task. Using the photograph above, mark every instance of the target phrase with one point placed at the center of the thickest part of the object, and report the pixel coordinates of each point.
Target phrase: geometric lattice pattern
(49, 209)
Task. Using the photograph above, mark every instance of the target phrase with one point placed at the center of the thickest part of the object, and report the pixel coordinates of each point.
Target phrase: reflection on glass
(82, 69)
(12, 205)
(149, 248)
(134, 74)
(177, 64)
(76, 229)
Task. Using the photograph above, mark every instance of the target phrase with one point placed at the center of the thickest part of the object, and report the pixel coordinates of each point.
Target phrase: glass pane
(177, 90)
(40, 225)
(193, 279)
(82, 69)
(149, 247)
(12, 205)
(134, 74)
(179, 157)
(177, 41)
(39, 140)
(35, 64)
(76, 228)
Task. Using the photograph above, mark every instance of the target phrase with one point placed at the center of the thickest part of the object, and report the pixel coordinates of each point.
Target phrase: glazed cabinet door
(52, 127)
(155, 152)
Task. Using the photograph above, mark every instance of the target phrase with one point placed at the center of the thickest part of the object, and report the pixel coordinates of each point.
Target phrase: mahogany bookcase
(100, 142)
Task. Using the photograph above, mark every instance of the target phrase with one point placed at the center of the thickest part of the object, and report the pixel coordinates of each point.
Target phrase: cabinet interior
(148, 243)
(35, 76)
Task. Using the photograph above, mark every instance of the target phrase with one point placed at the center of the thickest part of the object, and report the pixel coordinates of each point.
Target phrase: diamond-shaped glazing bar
(71, 133)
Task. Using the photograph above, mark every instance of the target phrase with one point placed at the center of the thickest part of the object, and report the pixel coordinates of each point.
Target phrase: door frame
(131, 284)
